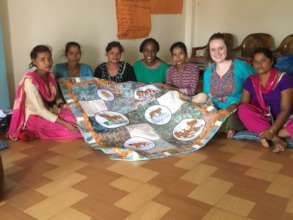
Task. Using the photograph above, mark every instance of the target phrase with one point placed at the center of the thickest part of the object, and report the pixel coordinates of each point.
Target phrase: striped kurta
(185, 79)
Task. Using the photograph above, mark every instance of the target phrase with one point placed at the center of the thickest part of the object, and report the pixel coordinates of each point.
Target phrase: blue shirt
(61, 70)
(241, 71)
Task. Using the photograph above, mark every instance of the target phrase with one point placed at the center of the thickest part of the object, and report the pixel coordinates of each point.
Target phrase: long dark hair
(113, 44)
(72, 44)
(180, 45)
(266, 52)
(36, 50)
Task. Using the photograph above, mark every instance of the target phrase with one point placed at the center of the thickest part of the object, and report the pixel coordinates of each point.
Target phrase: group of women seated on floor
(260, 96)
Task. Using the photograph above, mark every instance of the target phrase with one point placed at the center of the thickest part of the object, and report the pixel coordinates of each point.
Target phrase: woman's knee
(243, 110)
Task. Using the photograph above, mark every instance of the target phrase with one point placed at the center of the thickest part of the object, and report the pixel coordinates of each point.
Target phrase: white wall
(92, 23)
(242, 17)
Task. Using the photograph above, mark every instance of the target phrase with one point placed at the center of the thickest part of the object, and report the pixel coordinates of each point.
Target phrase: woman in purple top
(182, 75)
(266, 103)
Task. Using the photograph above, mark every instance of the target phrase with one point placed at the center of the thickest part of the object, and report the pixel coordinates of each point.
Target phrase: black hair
(71, 44)
(265, 51)
(113, 44)
(149, 40)
(222, 37)
(39, 49)
(180, 45)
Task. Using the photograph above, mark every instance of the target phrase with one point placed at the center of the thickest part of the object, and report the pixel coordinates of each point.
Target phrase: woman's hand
(267, 134)
(184, 97)
(183, 91)
(71, 127)
(68, 125)
(63, 105)
(166, 86)
(231, 108)
(54, 110)
(210, 101)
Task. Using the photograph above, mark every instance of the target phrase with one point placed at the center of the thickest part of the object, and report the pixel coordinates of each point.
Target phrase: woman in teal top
(223, 80)
(241, 71)
(150, 69)
(72, 68)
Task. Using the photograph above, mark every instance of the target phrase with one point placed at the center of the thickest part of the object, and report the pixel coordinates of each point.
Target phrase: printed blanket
(135, 121)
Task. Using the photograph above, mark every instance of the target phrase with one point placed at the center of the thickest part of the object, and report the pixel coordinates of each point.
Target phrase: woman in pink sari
(266, 104)
(35, 113)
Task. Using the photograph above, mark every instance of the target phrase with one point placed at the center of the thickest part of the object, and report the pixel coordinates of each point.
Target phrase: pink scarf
(48, 93)
(260, 90)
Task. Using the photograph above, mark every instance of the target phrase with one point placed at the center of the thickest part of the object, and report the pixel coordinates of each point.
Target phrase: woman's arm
(286, 105)
(245, 98)
(70, 126)
(34, 99)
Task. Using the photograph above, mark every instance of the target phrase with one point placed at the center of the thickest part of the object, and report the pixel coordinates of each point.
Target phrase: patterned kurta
(185, 79)
(125, 73)
(222, 87)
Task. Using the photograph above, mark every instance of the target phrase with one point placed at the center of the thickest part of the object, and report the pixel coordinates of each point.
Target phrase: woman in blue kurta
(72, 68)
(150, 69)
(224, 79)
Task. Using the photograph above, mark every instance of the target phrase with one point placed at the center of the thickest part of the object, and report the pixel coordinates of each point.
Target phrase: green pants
(232, 123)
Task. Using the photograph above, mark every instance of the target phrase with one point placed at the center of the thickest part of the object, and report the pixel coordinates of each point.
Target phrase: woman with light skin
(73, 67)
(114, 69)
(150, 69)
(224, 79)
(266, 103)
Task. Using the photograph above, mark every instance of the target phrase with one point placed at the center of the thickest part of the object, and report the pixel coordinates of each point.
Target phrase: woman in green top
(150, 69)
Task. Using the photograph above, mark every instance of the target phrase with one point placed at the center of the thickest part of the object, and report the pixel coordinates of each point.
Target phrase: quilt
(134, 121)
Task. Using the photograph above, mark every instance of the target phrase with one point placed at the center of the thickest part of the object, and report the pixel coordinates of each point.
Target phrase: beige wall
(90, 22)
(242, 17)
(93, 24)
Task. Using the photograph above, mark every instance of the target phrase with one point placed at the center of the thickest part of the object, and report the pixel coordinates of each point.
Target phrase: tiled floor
(69, 181)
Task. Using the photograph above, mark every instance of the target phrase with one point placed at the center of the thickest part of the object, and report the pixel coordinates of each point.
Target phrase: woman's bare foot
(230, 133)
(283, 133)
(264, 142)
(279, 144)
